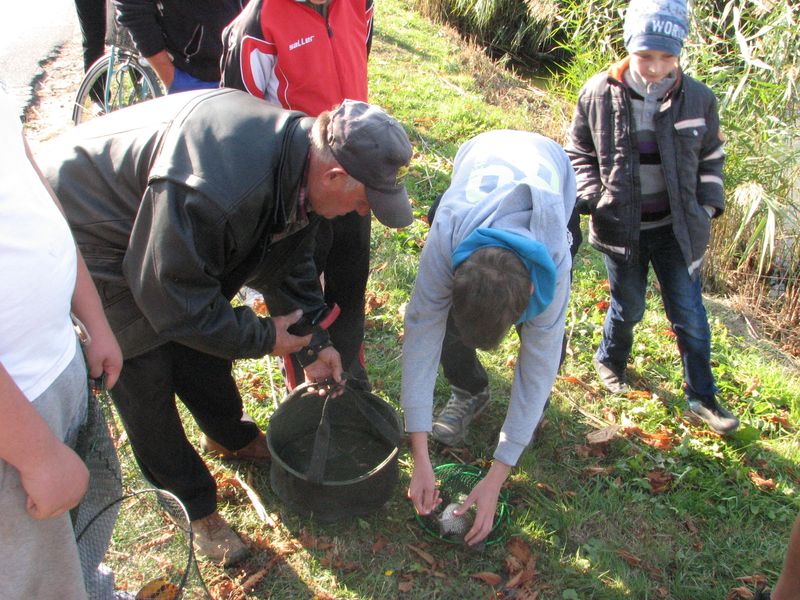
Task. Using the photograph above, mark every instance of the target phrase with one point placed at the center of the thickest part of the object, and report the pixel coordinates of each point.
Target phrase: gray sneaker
(612, 380)
(450, 427)
(719, 419)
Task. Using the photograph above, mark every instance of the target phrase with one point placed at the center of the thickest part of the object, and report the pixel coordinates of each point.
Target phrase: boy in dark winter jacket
(647, 152)
(181, 39)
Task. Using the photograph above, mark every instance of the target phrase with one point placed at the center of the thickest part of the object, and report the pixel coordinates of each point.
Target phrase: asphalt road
(30, 32)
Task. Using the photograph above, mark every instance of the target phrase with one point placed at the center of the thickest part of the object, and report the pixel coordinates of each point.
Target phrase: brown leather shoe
(256, 451)
(214, 539)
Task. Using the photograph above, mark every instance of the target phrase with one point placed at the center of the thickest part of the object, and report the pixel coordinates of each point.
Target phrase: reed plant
(517, 30)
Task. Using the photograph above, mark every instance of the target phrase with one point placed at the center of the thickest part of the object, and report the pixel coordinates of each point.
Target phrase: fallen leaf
(583, 451)
(660, 481)
(595, 470)
(314, 543)
(609, 414)
(602, 305)
(782, 420)
(379, 544)
(492, 579)
(752, 387)
(740, 593)
(545, 488)
(406, 585)
(629, 558)
(520, 578)
(519, 549)
(760, 482)
(253, 580)
(758, 580)
(423, 555)
(577, 381)
(602, 436)
(639, 394)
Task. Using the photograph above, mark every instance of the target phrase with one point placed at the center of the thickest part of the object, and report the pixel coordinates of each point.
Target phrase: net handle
(157, 492)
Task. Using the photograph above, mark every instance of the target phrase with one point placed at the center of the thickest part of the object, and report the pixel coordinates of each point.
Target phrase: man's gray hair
(319, 138)
(322, 148)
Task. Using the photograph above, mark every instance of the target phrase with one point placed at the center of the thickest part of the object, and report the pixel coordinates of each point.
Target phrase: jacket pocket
(689, 134)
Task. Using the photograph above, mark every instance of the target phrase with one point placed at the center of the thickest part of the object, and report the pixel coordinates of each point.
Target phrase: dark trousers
(460, 363)
(92, 18)
(683, 302)
(342, 255)
(145, 399)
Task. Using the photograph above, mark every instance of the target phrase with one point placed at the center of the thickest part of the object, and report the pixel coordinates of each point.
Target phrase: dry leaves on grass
(663, 439)
(373, 300)
(602, 436)
(740, 593)
(311, 542)
(660, 481)
(638, 563)
(596, 470)
(379, 544)
(590, 389)
(597, 451)
(758, 580)
(760, 482)
(520, 570)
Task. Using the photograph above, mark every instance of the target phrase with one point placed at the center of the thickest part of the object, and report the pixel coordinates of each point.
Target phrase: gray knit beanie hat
(656, 25)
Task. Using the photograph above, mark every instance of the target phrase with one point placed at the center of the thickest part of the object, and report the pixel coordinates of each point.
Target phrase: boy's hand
(422, 490)
(104, 357)
(56, 484)
(484, 496)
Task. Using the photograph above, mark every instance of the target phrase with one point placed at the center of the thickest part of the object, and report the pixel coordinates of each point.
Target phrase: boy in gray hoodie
(498, 254)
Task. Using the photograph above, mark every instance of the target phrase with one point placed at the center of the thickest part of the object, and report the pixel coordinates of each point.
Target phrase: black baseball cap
(373, 148)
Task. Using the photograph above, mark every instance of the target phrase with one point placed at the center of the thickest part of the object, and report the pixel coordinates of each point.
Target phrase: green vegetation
(662, 510)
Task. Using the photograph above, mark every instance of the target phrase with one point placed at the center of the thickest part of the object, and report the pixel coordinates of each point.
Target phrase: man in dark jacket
(176, 204)
(182, 40)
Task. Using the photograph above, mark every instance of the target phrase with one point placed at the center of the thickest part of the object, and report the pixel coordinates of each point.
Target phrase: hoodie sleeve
(537, 365)
(424, 327)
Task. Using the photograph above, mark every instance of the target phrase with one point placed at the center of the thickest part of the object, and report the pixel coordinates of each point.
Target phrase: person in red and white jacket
(309, 55)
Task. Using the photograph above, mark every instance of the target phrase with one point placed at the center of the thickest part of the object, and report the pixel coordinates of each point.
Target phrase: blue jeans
(683, 303)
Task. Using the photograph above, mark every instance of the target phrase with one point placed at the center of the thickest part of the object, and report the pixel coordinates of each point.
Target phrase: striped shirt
(646, 102)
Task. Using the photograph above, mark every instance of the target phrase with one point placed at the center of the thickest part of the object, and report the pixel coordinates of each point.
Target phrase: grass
(662, 510)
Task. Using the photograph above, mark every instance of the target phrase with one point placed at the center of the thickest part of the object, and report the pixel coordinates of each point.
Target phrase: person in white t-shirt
(43, 377)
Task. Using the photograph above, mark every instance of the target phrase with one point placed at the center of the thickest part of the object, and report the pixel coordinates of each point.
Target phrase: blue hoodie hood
(533, 254)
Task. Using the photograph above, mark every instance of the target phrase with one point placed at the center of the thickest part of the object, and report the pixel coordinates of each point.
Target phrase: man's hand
(285, 342)
(484, 497)
(56, 484)
(327, 366)
(422, 489)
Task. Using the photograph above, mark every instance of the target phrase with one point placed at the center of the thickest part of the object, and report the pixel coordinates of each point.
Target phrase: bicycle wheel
(116, 80)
